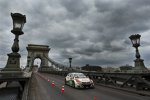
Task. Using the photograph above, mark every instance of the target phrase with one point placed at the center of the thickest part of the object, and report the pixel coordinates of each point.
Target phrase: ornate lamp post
(139, 63)
(70, 60)
(13, 62)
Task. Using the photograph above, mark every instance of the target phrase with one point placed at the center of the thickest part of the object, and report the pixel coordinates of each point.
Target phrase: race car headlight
(91, 81)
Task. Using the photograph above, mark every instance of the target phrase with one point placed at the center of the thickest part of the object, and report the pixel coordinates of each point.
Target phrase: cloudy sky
(90, 31)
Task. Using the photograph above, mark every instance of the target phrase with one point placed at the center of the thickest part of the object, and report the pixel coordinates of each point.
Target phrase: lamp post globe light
(18, 22)
(139, 63)
(13, 62)
(70, 60)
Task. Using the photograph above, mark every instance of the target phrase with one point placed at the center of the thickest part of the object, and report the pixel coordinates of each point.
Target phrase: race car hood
(84, 79)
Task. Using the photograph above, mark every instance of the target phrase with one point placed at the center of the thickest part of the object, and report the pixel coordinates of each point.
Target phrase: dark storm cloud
(87, 51)
(75, 8)
(90, 31)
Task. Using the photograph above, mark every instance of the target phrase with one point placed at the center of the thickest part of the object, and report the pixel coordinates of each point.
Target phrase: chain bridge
(47, 83)
(30, 85)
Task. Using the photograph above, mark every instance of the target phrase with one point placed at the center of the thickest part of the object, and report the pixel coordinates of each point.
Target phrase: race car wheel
(73, 84)
(65, 82)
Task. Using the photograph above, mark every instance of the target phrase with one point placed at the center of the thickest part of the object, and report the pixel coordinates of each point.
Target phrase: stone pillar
(13, 62)
(139, 66)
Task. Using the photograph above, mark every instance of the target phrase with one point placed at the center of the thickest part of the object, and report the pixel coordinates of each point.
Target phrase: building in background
(125, 68)
(88, 67)
(110, 69)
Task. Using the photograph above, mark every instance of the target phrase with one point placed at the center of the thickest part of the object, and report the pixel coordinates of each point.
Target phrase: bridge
(47, 81)
(35, 83)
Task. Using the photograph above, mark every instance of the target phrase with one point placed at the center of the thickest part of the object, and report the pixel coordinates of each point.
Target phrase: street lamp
(139, 63)
(18, 22)
(135, 39)
(13, 62)
(70, 60)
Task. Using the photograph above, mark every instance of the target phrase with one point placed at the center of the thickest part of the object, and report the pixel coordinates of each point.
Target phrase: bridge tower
(37, 51)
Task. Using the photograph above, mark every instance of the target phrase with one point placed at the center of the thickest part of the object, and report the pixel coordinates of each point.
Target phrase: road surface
(42, 89)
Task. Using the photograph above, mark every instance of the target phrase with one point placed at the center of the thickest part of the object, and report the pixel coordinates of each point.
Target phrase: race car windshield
(79, 76)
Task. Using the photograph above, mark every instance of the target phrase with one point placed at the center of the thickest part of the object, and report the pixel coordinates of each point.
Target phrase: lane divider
(94, 97)
(62, 89)
(53, 84)
(48, 80)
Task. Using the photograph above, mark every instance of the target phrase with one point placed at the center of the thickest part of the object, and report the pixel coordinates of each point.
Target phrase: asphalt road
(42, 89)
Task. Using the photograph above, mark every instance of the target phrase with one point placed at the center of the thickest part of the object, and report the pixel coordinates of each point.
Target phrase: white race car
(78, 80)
